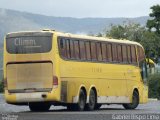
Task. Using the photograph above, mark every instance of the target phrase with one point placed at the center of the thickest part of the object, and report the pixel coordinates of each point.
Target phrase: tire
(71, 107)
(135, 101)
(39, 106)
(92, 101)
(97, 107)
(81, 102)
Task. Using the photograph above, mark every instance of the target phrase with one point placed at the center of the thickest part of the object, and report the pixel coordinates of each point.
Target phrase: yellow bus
(44, 68)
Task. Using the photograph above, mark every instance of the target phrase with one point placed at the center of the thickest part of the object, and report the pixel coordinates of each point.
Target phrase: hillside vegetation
(154, 86)
(11, 21)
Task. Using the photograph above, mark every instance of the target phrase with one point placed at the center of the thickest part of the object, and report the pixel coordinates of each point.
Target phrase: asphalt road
(148, 111)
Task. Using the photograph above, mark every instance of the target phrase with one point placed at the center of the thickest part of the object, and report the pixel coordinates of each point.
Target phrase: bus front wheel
(39, 106)
(135, 101)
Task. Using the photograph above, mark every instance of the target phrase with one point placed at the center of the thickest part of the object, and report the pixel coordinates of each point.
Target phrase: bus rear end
(29, 69)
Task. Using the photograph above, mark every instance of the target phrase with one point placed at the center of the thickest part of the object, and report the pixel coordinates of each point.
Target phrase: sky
(83, 8)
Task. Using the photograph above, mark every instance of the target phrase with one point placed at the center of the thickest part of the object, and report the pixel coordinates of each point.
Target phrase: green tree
(99, 35)
(135, 32)
(154, 86)
(154, 23)
(116, 31)
(129, 31)
(150, 38)
(151, 43)
(153, 35)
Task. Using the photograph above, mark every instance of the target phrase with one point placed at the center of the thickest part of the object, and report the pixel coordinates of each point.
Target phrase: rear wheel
(135, 101)
(92, 100)
(39, 106)
(71, 107)
(98, 106)
(81, 102)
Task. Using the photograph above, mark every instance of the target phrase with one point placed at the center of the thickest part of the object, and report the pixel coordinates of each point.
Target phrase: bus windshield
(22, 43)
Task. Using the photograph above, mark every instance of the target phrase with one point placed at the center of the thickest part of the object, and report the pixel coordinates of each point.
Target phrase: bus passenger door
(143, 72)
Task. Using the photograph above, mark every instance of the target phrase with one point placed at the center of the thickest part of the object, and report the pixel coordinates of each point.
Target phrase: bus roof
(83, 37)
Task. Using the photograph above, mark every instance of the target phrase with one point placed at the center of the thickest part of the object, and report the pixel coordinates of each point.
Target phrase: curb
(152, 99)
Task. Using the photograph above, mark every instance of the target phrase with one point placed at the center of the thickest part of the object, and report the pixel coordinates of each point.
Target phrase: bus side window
(93, 51)
(88, 50)
(133, 53)
(142, 64)
(124, 53)
(109, 52)
(129, 53)
(114, 52)
(99, 51)
(72, 50)
(141, 55)
(104, 52)
(82, 50)
(119, 51)
(143, 70)
(68, 48)
(76, 49)
(62, 45)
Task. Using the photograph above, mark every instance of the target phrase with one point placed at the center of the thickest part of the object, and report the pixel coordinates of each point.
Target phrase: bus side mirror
(150, 63)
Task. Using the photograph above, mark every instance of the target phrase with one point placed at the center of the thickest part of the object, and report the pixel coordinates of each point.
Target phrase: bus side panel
(109, 81)
(134, 82)
(145, 94)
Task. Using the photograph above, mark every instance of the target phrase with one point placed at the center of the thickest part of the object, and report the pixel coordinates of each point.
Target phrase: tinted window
(62, 45)
(76, 49)
(133, 52)
(93, 51)
(109, 52)
(114, 52)
(82, 50)
(28, 44)
(119, 51)
(129, 53)
(141, 54)
(99, 51)
(72, 49)
(104, 52)
(124, 53)
(88, 50)
(68, 48)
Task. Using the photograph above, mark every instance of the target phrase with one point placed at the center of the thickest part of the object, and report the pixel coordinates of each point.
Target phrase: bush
(154, 86)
